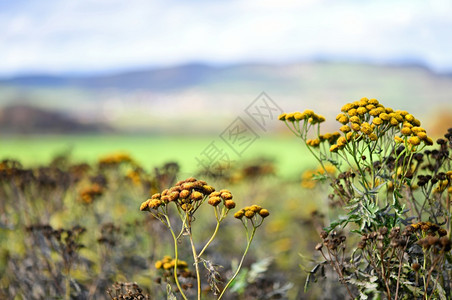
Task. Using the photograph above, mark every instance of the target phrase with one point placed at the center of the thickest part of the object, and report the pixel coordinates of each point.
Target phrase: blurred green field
(289, 154)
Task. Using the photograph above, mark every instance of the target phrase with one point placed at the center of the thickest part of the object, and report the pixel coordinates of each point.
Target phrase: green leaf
(369, 285)
(240, 282)
(320, 177)
(311, 276)
(439, 290)
(336, 223)
(258, 268)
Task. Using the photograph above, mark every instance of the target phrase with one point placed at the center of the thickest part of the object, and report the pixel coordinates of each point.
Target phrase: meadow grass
(151, 150)
(122, 244)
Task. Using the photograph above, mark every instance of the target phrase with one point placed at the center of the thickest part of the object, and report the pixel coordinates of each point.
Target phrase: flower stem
(250, 239)
(213, 235)
(196, 259)
(176, 258)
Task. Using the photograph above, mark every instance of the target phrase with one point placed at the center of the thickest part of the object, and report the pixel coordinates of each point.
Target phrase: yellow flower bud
(394, 122)
(290, 117)
(249, 214)
(264, 213)
(366, 128)
(428, 141)
(341, 141)
(229, 204)
(214, 201)
(144, 205)
(309, 112)
(377, 121)
(356, 126)
(384, 117)
(352, 112)
(416, 130)
(406, 131)
(345, 128)
(158, 264)
(398, 139)
(355, 119)
(347, 107)
(409, 117)
(298, 116)
(239, 214)
(422, 135)
(361, 110)
(196, 196)
(349, 136)
(414, 140)
(373, 101)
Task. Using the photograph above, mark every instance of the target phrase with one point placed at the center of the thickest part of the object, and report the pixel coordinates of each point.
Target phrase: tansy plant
(184, 200)
(404, 248)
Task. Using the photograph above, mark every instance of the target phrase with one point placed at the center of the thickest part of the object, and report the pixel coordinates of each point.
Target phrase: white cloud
(66, 35)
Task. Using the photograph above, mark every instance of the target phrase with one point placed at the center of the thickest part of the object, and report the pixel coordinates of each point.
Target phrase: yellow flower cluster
(307, 176)
(134, 176)
(88, 194)
(308, 115)
(367, 118)
(331, 138)
(115, 159)
(441, 186)
(430, 227)
(224, 196)
(168, 263)
(449, 176)
(189, 194)
(252, 211)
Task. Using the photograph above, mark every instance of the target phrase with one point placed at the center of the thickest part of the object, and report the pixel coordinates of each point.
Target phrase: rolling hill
(203, 98)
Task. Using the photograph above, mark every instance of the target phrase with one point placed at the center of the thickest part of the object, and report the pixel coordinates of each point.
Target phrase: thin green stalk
(176, 258)
(213, 235)
(196, 259)
(250, 239)
(293, 131)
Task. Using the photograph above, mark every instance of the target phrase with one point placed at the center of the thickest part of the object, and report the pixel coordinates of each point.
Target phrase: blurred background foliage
(85, 82)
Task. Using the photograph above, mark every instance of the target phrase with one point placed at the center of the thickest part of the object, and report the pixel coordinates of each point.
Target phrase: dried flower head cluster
(383, 237)
(379, 155)
(127, 291)
(431, 235)
(188, 195)
(442, 243)
(47, 262)
(109, 234)
(65, 242)
(332, 241)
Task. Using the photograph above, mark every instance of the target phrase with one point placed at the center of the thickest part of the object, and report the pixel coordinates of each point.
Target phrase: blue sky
(67, 36)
